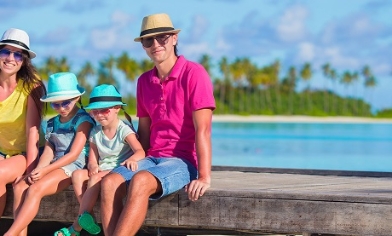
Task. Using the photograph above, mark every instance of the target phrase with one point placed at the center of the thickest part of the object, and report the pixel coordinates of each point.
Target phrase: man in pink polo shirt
(174, 105)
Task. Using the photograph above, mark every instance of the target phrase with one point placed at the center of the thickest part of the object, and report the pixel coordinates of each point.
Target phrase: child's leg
(79, 183)
(92, 192)
(90, 196)
(50, 184)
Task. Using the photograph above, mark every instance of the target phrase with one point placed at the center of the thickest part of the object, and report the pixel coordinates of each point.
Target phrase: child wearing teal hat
(65, 150)
(112, 143)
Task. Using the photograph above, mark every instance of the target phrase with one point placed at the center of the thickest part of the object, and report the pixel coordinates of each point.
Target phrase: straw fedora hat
(156, 24)
(62, 86)
(17, 38)
(104, 96)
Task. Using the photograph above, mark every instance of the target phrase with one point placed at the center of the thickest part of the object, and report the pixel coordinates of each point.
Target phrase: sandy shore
(298, 119)
(291, 119)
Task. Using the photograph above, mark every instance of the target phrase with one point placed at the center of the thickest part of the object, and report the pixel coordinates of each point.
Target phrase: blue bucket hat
(104, 96)
(62, 86)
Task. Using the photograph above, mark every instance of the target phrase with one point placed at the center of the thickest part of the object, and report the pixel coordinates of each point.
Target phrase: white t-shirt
(113, 151)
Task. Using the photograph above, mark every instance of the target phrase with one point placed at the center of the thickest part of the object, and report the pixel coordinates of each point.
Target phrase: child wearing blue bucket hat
(112, 143)
(65, 150)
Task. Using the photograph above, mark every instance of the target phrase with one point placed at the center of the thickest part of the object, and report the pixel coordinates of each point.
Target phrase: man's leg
(113, 190)
(142, 186)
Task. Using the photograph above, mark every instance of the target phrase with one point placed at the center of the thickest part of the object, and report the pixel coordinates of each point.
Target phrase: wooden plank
(262, 202)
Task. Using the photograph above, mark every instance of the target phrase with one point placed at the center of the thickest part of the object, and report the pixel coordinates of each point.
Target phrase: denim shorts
(173, 173)
(70, 168)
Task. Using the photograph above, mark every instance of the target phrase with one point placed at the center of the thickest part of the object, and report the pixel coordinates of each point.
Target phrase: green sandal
(87, 222)
(67, 231)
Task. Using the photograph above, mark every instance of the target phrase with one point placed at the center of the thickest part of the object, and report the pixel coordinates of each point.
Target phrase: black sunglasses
(161, 39)
(5, 53)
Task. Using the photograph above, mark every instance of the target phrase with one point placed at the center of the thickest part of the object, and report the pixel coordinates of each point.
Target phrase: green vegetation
(243, 87)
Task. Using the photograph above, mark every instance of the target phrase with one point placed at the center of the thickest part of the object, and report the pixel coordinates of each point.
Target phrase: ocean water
(319, 146)
(325, 146)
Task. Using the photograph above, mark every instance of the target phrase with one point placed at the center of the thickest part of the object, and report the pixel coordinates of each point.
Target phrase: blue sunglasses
(63, 104)
(5, 53)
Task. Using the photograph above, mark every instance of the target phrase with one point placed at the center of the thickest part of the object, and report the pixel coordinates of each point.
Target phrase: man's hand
(197, 188)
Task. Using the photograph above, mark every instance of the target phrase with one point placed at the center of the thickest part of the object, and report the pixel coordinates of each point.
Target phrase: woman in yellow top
(21, 110)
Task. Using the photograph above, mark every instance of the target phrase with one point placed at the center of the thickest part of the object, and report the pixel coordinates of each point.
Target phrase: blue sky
(348, 34)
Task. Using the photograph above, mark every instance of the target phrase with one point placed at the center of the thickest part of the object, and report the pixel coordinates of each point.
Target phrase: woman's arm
(33, 123)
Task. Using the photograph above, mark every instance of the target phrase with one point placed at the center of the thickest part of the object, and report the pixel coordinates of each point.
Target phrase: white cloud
(121, 19)
(334, 56)
(291, 26)
(195, 50)
(103, 38)
(222, 45)
(362, 26)
(114, 36)
(198, 28)
(382, 69)
(306, 52)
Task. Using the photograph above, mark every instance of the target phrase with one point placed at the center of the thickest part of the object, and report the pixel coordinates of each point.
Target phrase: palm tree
(51, 65)
(275, 71)
(63, 65)
(146, 65)
(205, 61)
(248, 69)
(346, 80)
(105, 72)
(333, 76)
(326, 68)
(237, 71)
(225, 70)
(369, 82)
(128, 66)
(86, 72)
(288, 86)
(354, 79)
(306, 75)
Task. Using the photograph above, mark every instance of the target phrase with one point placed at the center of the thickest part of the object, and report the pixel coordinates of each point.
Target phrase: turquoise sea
(324, 146)
(320, 146)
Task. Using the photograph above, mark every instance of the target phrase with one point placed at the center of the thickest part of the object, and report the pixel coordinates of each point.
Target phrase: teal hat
(103, 96)
(62, 86)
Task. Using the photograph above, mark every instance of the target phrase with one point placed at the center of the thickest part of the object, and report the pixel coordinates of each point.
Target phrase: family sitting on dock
(95, 151)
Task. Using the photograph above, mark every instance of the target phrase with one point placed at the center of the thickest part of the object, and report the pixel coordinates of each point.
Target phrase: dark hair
(32, 84)
(176, 50)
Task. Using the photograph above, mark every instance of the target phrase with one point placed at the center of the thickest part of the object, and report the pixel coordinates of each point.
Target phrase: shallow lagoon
(328, 146)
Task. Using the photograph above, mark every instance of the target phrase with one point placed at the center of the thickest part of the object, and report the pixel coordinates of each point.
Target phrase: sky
(347, 34)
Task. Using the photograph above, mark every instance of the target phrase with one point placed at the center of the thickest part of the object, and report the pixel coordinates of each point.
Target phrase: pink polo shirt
(170, 106)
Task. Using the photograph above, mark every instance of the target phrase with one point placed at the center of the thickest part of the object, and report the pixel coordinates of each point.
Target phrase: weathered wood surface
(263, 202)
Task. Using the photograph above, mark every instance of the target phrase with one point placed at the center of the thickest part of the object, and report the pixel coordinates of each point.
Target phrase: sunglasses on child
(103, 111)
(5, 53)
(161, 39)
(63, 104)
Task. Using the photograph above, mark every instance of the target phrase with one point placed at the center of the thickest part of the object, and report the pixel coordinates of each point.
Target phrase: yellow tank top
(13, 122)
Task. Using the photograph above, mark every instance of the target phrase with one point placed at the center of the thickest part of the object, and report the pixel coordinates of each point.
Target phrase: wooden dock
(263, 201)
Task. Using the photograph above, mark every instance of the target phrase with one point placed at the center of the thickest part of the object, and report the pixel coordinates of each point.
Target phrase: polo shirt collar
(175, 72)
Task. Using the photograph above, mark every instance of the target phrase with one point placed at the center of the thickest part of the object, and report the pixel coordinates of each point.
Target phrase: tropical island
(242, 87)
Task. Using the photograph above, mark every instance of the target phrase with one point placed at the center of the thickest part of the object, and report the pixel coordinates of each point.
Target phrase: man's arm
(202, 120)
(143, 131)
